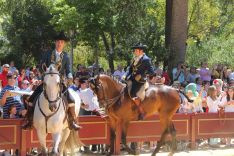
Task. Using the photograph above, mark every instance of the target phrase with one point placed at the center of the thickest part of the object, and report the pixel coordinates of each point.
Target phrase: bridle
(51, 102)
(107, 102)
(44, 90)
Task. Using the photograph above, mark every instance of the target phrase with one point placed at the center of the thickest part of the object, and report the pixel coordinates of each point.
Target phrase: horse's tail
(73, 142)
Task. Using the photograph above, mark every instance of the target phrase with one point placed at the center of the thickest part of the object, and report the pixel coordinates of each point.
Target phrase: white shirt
(228, 108)
(136, 59)
(213, 105)
(88, 98)
(58, 58)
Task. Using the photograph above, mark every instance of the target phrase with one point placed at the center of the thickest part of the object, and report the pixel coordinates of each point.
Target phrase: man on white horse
(56, 56)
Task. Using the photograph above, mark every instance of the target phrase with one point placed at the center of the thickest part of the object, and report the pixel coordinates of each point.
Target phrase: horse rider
(53, 57)
(136, 76)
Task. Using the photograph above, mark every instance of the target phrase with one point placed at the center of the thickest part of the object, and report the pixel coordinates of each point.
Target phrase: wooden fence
(96, 130)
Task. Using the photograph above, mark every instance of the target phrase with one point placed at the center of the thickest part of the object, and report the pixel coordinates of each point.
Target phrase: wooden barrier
(212, 125)
(96, 130)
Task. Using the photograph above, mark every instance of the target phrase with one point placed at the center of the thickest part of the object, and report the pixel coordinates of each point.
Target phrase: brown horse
(121, 109)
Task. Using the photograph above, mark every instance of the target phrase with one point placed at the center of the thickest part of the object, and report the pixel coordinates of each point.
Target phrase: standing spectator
(6, 98)
(204, 72)
(228, 102)
(76, 84)
(16, 73)
(213, 102)
(83, 73)
(166, 76)
(89, 100)
(21, 77)
(26, 86)
(192, 93)
(192, 75)
(119, 72)
(199, 83)
(12, 67)
(179, 73)
(218, 83)
(3, 75)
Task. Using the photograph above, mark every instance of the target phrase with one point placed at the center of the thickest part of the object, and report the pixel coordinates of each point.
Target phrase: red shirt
(167, 78)
(3, 78)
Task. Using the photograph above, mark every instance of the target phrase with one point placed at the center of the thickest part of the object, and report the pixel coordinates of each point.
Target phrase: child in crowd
(12, 112)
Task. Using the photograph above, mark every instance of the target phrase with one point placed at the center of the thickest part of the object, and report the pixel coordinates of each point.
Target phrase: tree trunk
(109, 50)
(176, 31)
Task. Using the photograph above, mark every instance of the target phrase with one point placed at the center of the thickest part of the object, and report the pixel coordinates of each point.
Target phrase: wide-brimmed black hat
(61, 36)
(139, 46)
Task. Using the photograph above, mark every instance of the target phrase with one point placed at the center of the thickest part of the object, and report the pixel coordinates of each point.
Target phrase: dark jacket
(50, 57)
(140, 70)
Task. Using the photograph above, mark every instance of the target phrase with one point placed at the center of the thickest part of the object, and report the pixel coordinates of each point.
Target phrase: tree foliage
(105, 30)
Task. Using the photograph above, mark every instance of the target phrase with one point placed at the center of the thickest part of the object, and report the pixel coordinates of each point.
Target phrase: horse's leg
(131, 150)
(56, 138)
(174, 141)
(165, 126)
(65, 135)
(42, 139)
(112, 141)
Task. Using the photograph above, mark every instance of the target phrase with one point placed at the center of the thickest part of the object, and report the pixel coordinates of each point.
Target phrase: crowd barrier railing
(96, 130)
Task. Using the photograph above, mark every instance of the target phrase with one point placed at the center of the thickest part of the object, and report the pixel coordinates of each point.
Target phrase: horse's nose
(52, 107)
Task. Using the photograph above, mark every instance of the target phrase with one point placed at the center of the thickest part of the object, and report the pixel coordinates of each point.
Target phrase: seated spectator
(6, 98)
(12, 112)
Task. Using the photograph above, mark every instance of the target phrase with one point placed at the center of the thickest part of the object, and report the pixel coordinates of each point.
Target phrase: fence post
(193, 131)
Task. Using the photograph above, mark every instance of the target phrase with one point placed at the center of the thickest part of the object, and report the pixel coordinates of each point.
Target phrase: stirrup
(75, 126)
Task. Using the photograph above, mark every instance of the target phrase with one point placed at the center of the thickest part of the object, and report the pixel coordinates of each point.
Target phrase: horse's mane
(115, 81)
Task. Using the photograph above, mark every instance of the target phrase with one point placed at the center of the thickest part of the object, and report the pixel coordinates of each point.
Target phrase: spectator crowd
(201, 89)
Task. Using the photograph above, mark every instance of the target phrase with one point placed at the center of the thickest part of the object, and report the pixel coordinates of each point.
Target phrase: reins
(48, 116)
(109, 102)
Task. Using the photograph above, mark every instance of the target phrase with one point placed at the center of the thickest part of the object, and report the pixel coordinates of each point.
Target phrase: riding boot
(137, 102)
(73, 121)
(29, 117)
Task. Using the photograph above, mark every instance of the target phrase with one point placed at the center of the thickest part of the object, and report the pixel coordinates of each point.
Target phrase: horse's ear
(58, 65)
(44, 67)
(96, 78)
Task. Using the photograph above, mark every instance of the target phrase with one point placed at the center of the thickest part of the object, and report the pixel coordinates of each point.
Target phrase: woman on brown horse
(121, 109)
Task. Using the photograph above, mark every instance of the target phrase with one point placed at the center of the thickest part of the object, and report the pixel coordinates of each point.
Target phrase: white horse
(50, 114)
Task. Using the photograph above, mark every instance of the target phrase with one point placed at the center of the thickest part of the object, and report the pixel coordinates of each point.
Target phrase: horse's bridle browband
(44, 91)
